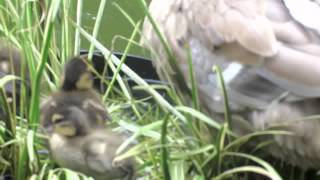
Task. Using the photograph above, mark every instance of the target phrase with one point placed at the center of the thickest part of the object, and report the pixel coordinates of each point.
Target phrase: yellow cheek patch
(65, 131)
(85, 81)
(56, 117)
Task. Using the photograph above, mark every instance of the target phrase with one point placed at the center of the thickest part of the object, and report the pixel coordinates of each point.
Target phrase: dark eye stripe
(58, 120)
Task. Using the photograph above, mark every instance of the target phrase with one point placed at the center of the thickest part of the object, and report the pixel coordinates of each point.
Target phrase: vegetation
(175, 140)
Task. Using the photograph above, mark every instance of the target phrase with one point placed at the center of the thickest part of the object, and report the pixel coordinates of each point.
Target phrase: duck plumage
(269, 53)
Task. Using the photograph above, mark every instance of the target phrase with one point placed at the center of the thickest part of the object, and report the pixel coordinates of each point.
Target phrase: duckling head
(10, 57)
(77, 74)
(70, 122)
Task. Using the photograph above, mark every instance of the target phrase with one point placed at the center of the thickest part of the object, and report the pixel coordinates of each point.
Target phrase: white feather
(306, 12)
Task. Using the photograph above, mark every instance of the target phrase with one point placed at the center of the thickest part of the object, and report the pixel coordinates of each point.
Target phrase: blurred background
(114, 24)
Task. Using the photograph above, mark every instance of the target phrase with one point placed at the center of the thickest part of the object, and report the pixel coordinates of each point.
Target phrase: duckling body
(76, 145)
(269, 55)
(92, 154)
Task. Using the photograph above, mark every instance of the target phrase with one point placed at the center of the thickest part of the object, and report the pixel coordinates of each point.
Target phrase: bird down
(74, 144)
(11, 63)
(74, 118)
(269, 53)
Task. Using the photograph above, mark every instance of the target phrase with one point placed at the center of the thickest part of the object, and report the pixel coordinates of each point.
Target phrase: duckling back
(93, 154)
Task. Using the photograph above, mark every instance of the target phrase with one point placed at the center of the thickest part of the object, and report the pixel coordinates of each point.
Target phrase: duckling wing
(100, 152)
(96, 109)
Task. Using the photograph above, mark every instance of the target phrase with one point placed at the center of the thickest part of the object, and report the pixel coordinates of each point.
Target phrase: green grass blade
(164, 151)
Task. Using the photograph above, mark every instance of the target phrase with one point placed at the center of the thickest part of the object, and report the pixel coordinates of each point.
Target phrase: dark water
(113, 23)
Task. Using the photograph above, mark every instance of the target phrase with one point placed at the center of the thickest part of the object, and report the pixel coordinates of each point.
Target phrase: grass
(175, 138)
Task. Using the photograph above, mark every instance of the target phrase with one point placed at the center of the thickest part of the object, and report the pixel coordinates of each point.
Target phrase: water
(113, 23)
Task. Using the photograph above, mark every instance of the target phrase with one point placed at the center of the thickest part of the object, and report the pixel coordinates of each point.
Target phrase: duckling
(76, 90)
(10, 64)
(10, 60)
(74, 144)
(269, 53)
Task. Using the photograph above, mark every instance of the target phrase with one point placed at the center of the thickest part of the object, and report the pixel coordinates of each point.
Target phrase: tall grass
(175, 138)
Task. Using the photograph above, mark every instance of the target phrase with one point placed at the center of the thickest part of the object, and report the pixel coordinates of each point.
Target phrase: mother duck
(269, 53)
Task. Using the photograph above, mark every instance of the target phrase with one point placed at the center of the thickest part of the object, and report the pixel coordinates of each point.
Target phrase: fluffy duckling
(77, 146)
(76, 90)
(10, 64)
(269, 53)
(10, 59)
(74, 118)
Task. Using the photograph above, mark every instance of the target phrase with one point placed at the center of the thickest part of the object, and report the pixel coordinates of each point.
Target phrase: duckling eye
(57, 118)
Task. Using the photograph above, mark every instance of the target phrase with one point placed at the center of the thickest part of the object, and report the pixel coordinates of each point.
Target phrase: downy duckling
(76, 90)
(91, 151)
(11, 64)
